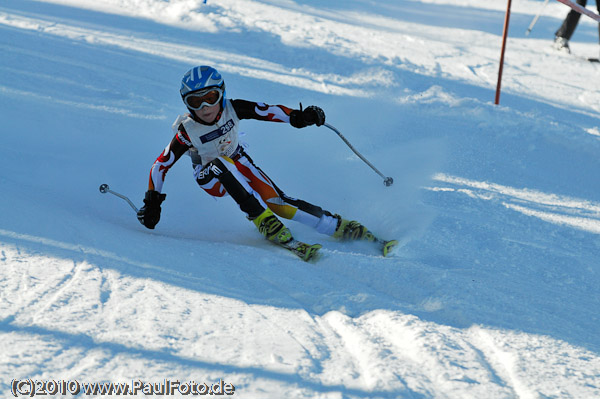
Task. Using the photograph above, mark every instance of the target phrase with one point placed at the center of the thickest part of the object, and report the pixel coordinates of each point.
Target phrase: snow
(493, 293)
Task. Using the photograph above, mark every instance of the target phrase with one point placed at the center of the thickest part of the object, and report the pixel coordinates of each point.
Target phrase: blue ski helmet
(200, 78)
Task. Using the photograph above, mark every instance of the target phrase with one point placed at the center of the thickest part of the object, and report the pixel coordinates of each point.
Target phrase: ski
(302, 250)
(388, 246)
(308, 252)
(563, 53)
(591, 60)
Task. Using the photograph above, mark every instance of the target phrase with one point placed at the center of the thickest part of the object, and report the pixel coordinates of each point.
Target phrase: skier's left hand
(149, 214)
(311, 115)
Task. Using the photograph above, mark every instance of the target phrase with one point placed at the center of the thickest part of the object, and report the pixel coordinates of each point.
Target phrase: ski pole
(387, 181)
(105, 189)
(536, 18)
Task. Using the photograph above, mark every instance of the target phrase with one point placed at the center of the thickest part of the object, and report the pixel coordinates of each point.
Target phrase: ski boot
(348, 230)
(561, 44)
(271, 227)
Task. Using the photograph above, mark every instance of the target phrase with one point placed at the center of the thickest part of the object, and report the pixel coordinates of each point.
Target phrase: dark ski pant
(254, 191)
(570, 23)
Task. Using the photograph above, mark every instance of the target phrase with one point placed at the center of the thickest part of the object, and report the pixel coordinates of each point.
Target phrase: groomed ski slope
(493, 294)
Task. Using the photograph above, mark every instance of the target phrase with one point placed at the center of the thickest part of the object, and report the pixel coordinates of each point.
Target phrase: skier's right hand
(149, 214)
(312, 115)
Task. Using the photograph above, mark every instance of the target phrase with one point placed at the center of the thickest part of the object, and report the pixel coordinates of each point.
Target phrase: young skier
(209, 135)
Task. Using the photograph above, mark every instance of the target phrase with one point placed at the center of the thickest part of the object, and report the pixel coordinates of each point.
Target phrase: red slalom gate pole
(504, 35)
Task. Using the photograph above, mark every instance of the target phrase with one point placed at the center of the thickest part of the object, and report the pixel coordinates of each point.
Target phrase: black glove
(312, 115)
(149, 214)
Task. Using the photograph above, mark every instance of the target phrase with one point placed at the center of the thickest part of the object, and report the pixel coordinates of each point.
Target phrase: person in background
(564, 33)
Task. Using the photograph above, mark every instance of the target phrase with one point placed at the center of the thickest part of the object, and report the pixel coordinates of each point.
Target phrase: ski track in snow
(224, 61)
(380, 351)
(407, 46)
(552, 208)
(492, 294)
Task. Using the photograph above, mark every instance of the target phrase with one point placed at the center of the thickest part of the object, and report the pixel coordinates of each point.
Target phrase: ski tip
(389, 246)
(311, 252)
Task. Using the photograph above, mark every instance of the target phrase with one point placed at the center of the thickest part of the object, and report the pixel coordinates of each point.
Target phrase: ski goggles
(203, 98)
